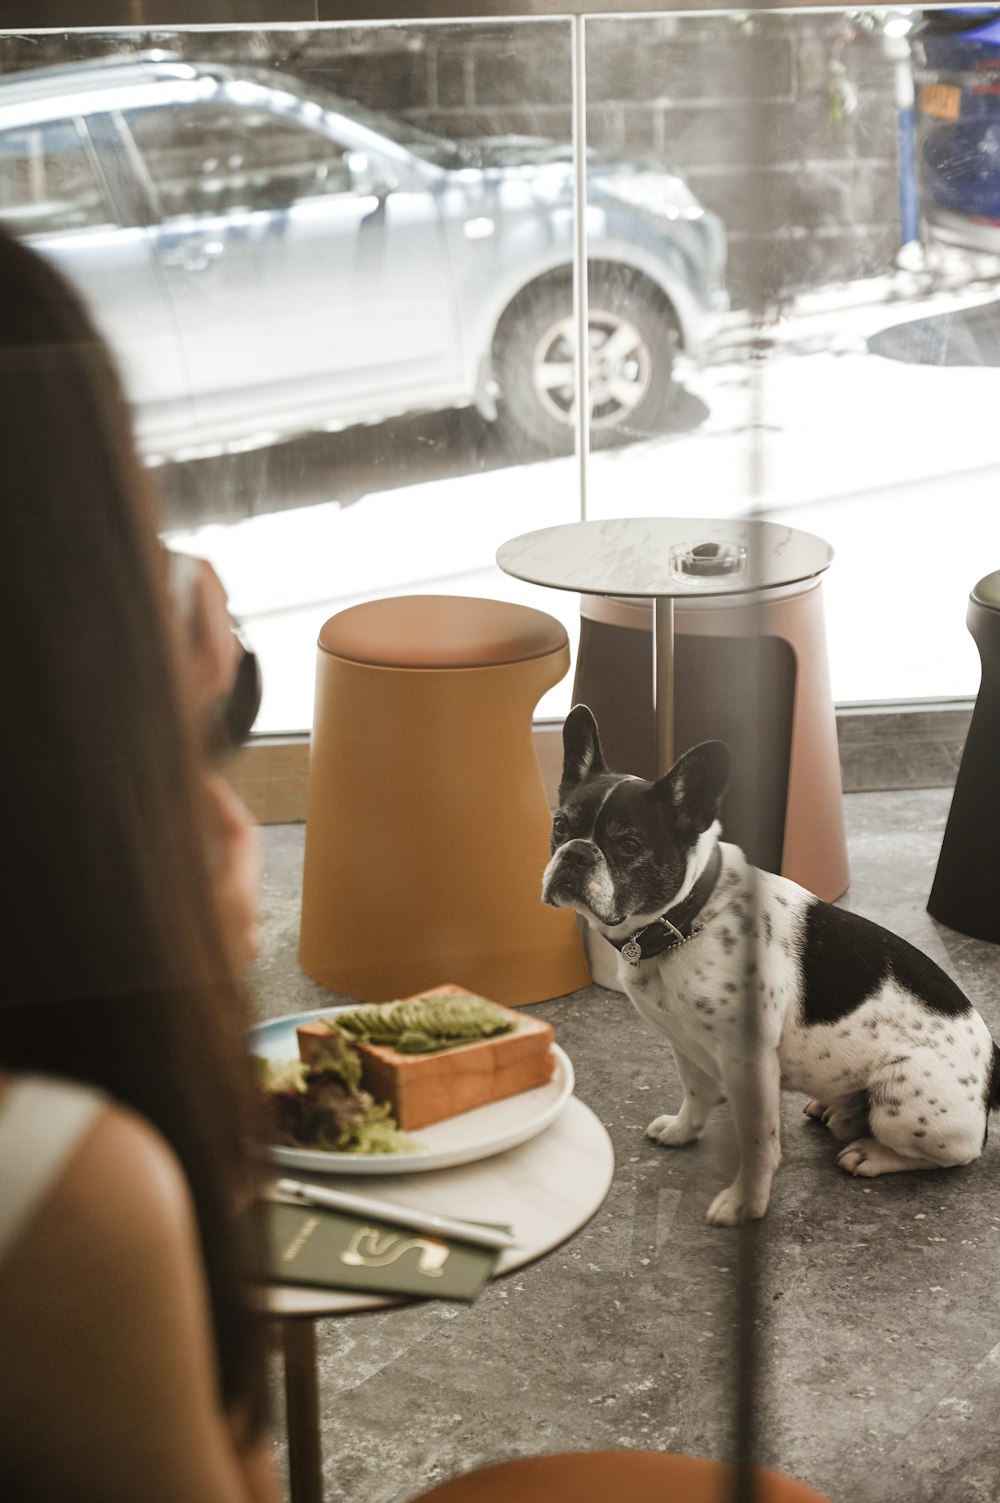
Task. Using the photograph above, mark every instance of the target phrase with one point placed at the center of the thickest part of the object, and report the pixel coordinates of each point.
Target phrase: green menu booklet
(334, 1250)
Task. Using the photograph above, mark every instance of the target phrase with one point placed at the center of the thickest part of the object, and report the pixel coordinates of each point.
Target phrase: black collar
(665, 933)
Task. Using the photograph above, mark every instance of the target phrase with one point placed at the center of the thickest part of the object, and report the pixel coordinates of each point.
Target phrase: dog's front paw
(734, 1205)
(672, 1132)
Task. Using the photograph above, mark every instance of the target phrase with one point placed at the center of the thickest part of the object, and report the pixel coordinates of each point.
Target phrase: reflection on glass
(347, 251)
(334, 266)
(210, 160)
(850, 389)
(48, 180)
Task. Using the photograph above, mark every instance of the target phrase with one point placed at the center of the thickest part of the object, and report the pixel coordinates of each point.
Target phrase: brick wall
(785, 125)
(810, 190)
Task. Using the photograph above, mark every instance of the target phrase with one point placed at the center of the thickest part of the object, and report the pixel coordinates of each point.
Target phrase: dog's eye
(629, 845)
(559, 826)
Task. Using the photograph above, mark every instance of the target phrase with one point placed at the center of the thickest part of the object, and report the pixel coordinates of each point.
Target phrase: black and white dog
(896, 1060)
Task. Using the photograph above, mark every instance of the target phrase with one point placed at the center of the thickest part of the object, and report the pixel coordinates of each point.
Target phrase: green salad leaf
(279, 1074)
(321, 1105)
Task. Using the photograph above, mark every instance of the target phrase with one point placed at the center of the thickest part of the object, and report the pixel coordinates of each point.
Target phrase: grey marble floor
(880, 1334)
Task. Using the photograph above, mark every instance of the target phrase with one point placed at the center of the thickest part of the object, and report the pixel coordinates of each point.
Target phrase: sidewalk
(896, 464)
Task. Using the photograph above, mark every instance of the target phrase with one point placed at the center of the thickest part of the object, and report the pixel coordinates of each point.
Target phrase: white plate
(458, 1140)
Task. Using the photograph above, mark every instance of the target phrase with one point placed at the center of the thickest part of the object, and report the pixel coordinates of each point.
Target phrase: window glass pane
(48, 181)
(386, 320)
(841, 374)
(211, 159)
(340, 402)
(786, 319)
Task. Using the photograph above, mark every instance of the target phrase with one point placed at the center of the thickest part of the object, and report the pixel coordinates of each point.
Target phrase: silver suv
(266, 259)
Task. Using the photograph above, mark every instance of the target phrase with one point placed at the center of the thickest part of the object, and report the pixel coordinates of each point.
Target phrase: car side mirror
(368, 179)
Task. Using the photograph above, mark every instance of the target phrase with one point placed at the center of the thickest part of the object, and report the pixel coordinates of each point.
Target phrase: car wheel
(633, 339)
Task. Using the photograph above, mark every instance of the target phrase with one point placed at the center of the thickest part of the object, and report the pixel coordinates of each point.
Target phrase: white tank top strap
(42, 1122)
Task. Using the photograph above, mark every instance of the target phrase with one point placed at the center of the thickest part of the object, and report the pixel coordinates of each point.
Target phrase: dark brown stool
(750, 671)
(966, 890)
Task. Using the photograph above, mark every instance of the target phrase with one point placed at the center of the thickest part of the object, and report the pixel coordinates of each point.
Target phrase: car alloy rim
(620, 369)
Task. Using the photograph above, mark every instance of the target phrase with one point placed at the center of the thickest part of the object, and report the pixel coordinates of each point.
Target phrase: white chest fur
(742, 965)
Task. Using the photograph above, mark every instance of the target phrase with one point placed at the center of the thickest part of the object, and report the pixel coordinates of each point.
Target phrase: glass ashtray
(707, 561)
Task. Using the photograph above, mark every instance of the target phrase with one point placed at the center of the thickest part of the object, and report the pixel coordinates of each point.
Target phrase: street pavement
(869, 416)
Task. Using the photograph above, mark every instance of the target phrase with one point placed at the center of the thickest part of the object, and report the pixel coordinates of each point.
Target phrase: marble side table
(666, 558)
(545, 1189)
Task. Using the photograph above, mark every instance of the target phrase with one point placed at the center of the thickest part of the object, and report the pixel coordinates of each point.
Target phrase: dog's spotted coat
(891, 1053)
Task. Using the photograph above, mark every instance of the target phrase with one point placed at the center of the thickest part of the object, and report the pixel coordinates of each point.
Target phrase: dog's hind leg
(868, 1157)
(701, 1094)
(847, 1118)
(918, 1120)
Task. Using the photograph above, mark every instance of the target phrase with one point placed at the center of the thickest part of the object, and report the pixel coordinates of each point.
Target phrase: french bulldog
(760, 985)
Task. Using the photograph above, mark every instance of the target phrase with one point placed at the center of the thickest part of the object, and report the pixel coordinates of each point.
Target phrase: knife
(383, 1210)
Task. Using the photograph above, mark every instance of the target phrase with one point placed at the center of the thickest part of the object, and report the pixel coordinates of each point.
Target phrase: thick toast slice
(426, 1088)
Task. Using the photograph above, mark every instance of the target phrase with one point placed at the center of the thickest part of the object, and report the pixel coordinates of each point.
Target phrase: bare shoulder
(123, 1184)
(116, 1222)
(120, 1194)
(110, 1271)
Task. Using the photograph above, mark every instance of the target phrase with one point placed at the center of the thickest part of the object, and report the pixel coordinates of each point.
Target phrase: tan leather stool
(602, 1476)
(427, 823)
(750, 671)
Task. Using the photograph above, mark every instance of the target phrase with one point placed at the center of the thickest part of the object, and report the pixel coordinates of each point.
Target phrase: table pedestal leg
(663, 681)
(305, 1459)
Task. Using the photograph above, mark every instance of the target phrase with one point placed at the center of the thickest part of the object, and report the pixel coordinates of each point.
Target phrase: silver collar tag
(632, 950)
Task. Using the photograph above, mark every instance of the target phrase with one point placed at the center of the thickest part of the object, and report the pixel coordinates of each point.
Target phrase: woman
(131, 1366)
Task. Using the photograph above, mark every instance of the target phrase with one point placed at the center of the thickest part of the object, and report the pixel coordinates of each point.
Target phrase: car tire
(533, 361)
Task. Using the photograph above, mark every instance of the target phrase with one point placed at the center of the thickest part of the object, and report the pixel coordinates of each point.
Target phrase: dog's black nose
(578, 853)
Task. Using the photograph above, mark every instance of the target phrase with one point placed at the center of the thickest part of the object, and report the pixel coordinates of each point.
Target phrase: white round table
(631, 556)
(545, 1189)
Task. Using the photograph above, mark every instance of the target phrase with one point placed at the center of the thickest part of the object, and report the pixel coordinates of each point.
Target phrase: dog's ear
(694, 786)
(582, 755)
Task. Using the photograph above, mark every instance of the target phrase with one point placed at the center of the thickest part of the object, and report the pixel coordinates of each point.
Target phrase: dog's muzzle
(570, 867)
(578, 855)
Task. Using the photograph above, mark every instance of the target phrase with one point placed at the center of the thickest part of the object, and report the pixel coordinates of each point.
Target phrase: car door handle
(193, 255)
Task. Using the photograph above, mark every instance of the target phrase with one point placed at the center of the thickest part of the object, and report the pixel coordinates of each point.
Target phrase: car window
(212, 159)
(48, 180)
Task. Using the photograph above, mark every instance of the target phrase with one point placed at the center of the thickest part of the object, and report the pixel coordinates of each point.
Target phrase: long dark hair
(112, 964)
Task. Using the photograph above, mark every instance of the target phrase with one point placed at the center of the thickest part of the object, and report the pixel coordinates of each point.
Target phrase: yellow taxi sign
(941, 101)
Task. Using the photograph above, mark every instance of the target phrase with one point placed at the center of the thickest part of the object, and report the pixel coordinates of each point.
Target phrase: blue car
(956, 56)
(267, 259)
